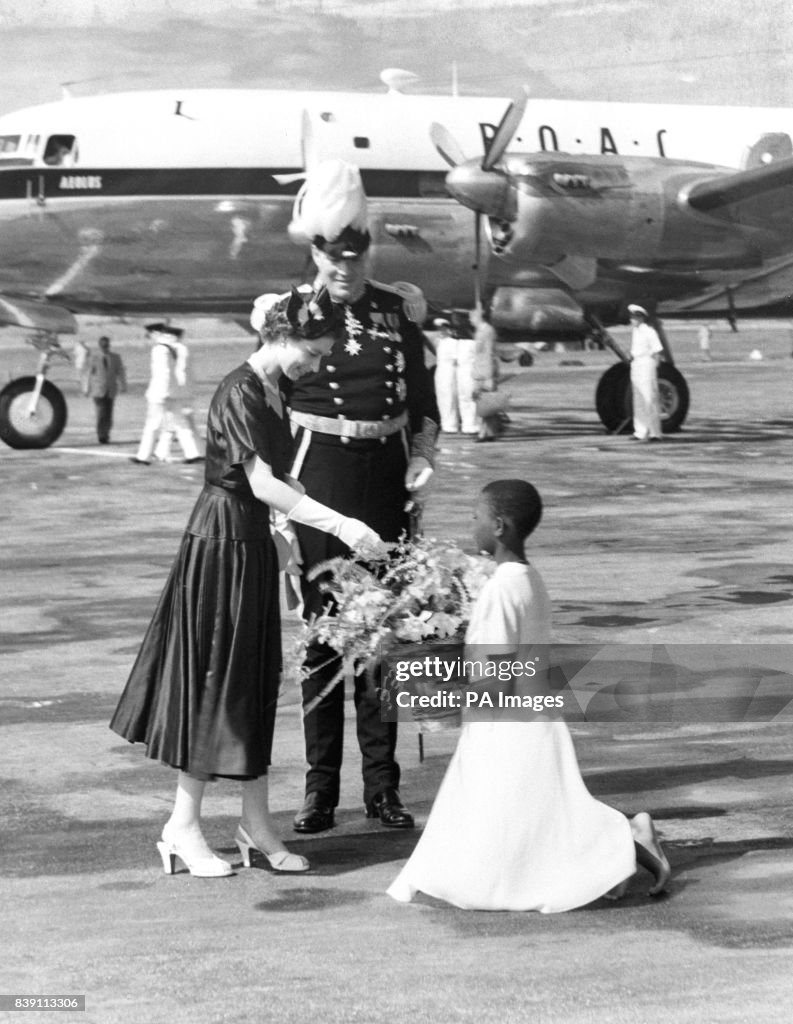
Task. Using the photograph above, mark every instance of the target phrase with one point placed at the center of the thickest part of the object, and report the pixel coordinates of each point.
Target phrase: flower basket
(417, 599)
(436, 703)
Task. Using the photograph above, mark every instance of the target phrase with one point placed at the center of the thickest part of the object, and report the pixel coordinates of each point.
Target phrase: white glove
(351, 532)
(418, 475)
(287, 548)
(360, 537)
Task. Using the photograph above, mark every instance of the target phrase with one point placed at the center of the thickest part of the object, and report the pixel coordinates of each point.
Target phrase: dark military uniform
(356, 422)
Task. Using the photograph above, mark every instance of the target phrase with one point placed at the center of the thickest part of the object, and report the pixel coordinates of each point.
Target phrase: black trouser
(104, 418)
(323, 728)
(364, 479)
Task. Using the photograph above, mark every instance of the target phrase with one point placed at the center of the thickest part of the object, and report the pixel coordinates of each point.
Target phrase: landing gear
(32, 413)
(613, 399)
(615, 407)
(32, 409)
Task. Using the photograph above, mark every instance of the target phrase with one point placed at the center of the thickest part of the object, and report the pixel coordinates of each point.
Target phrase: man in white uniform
(454, 381)
(167, 394)
(646, 349)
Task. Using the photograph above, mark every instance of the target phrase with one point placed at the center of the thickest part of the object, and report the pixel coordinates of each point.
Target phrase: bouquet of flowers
(423, 591)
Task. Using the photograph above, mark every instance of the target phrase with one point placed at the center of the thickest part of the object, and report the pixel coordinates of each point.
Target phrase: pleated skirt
(202, 693)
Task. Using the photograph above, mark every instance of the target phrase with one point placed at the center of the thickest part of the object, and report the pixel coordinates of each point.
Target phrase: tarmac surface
(684, 542)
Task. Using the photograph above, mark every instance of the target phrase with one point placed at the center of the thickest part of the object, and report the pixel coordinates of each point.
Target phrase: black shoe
(316, 815)
(388, 807)
(139, 462)
(189, 462)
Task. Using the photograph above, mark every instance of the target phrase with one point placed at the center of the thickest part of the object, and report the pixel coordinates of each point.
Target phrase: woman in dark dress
(203, 691)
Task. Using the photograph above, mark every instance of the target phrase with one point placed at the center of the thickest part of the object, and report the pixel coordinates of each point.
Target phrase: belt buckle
(369, 430)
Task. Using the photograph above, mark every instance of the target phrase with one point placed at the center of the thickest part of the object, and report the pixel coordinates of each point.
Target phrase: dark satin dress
(202, 693)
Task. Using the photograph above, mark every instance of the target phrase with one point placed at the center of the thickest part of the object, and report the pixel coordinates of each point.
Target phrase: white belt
(340, 427)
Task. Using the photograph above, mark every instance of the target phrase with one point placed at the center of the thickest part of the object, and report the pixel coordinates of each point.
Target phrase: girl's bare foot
(618, 891)
(649, 851)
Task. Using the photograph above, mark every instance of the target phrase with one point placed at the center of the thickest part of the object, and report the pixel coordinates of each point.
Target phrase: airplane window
(432, 185)
(11, 152)
(360, 142)
(59, 151)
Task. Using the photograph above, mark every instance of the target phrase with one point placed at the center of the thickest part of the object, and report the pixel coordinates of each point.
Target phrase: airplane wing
(761, 197)
(760, 289)
(38, 316)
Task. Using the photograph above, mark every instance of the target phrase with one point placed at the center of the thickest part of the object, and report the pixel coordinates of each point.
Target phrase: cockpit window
(60, 151)
(15, 151)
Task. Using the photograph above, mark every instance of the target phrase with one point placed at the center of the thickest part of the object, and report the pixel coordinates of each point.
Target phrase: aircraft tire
(17, 428)
(614, 403)
(613, 399)
(675, 398)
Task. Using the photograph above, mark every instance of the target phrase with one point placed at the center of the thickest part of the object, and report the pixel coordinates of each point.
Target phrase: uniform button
(389, 383)
(386, 416)
(389, 401)
(387, 350)
(390, 366)
(338, 401)
(334, 385)
(345, 440)
(330, 369)
(383, 440)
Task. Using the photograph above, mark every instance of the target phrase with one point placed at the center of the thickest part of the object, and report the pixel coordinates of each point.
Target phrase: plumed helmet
(330, 210)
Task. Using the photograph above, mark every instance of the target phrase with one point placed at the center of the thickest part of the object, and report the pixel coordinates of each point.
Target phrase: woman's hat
(302, 311)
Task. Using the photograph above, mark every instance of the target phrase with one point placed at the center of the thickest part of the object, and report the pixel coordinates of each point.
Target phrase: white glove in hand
(285, 538)
(360, 537)
(351, 532)
(418, 474)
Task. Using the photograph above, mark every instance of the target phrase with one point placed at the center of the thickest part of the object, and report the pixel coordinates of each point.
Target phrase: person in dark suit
(105, 377)
(365, 426)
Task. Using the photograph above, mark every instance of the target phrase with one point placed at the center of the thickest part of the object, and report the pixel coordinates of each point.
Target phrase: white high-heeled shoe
(290, 863)
(199, 867)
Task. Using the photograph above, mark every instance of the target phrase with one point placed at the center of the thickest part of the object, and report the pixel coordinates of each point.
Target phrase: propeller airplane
(178, 201)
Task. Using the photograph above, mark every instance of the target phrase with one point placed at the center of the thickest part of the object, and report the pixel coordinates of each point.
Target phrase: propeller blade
(446, 144)
(510, 122)
(477, 254)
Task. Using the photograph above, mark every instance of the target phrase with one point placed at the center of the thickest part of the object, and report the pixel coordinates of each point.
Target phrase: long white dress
(513, 826)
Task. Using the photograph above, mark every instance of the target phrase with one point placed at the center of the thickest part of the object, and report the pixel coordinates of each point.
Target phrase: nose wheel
(27, 421)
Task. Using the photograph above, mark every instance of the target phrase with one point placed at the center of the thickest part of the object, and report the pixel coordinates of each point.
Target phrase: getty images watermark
(673, 683)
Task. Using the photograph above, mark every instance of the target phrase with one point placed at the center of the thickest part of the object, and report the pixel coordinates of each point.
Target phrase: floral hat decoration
(303, 312)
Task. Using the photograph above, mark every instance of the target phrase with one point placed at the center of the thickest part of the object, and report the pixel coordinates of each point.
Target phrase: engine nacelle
(624, 209)
(537, 311)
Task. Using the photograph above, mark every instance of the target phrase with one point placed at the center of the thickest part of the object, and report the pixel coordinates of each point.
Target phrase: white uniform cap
(331, 199)
(633, 308)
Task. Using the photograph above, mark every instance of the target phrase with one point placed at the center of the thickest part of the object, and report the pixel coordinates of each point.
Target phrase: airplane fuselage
(180, 199)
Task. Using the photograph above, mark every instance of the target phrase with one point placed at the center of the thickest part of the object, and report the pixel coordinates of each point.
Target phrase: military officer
(365, 427)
